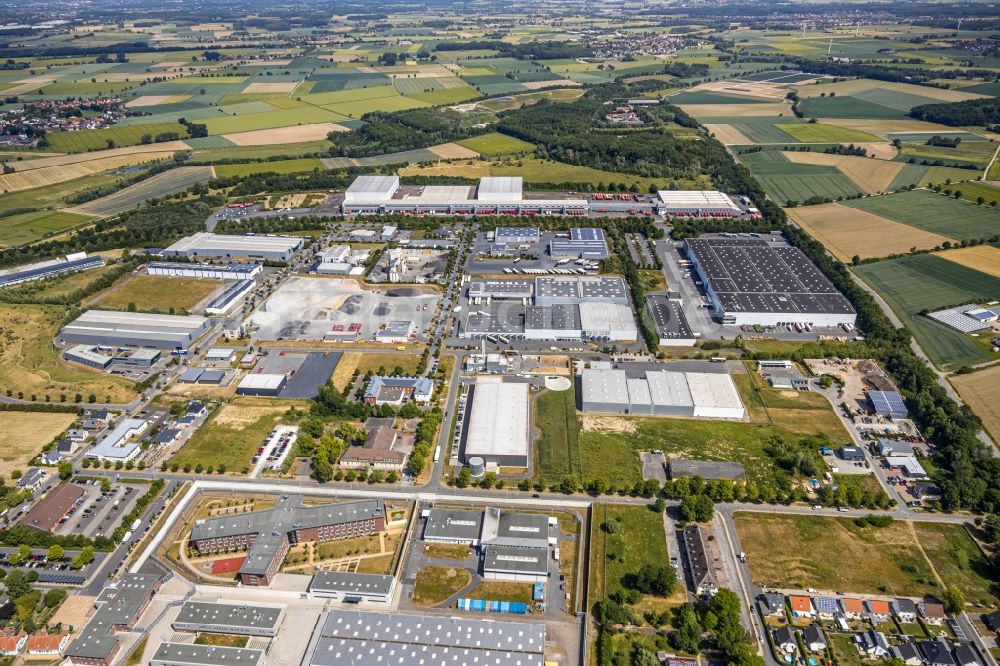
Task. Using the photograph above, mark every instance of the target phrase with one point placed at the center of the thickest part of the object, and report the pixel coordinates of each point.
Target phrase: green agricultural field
(290, 150)
(160, 185)
(558, 448)
(281, 166)
(921, 175)
(495, 143)
(820, 133)
(271, 120)
(845, 106)
(911, 285)
(457, 95)
(760, 130)
(120, 136)
(967, 152)
(29, 227)
(934, 212)
(785, 181)
(150, 293)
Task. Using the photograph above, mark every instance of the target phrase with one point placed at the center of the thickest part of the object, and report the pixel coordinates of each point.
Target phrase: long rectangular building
(119, 606)
(49, 269)
(206, 271)
(765, 282)
(135, 329)
(583, 243)
(346, 638)
(118, 445)
(697, 203)
(230, 298)
(672, 327)
(237, 619)
(352, 587)
(218, 246)
(497, 429)
(661, 393)
(268, 534)
(188, 654)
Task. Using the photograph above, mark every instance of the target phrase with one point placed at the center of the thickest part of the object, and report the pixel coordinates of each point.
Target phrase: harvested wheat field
(76, 158)
(738, 110)
(279, 135)
(283, 87)
(855, 86)
(471, 169)
(871, 175)
(453, 151)
(883, 127)
(153, 100)
(881, 151)
(28, 85)
(537, 85)
(846, 232)
(25, 180)
(759, 89)
(981, 391)
(982, 258)
(728, 135)
(23, 434)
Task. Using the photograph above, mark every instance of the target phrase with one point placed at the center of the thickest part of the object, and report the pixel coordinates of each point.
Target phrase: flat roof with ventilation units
(206, 244)
(261, 384)
(347, 586)
(697, 203)
(188, 654)
(498, 424)
(583, 243)
(220, 618)
(672, 327)
(134, 329)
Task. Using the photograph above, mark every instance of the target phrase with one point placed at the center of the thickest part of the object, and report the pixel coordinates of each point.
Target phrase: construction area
(332, 309)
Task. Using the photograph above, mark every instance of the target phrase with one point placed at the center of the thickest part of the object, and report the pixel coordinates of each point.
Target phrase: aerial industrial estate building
(102, 358)
(230, 298)
(189, 654)
(497, 425)
(661, 393)
(672, 327)
(352, 587)
(134, 329)
(583, 243)
(237, 619)
(697, 203)
(270, 533)
(207, 271)
(119, 444)
(218, 246)
(353, 638)
(564, 308)
(766, 282)
(73, 263)
(119, 607)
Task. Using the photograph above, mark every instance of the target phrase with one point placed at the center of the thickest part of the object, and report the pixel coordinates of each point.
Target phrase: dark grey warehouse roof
(189, 654)
(343, 581)
(756, 275)
(553, 317)
(352, 637)
(668, 317)
(516, 559)
(456, 524)
(233, 615)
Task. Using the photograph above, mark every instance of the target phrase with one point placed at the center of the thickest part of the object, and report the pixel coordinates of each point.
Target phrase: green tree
(105, 485)
(687, 632)
(954, 600)
(65, 468)
(697, 508)
(56, 552)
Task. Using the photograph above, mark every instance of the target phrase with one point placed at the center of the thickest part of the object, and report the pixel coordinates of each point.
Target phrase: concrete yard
(309, 308)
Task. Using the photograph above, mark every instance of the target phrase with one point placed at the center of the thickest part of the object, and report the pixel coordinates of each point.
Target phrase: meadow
(230, 436)
(161, 185)
(557, 450)
(820, 133)
(495, 143)
(23, 434)
(149, 293)
(911, 285)
(933, 212)
(26, 228)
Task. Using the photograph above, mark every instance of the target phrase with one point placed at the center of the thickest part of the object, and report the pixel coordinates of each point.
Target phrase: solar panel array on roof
(888, 403)
(760, 276)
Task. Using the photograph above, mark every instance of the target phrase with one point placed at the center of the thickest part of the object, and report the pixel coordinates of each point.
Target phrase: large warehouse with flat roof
(353, 638)
(661, 393)
(134, 329)
(583, 243)
(497, 429)
(766, 282)
(672, 327)
(218, 246)
(48, 269)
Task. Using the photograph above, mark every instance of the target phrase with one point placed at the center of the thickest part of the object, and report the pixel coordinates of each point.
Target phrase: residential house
(50, 458)
(932, 612)
(905, 610)
(32, 479)
(992, 621)
(813, 638)
(66, 447)
(195, 409)
(852, 608)
(772, 603)
(873, 643)
(908, 653)
(784, 640)
(965, 655)
(826, 607)
(77, 435)
(927, 491)
(878, 609)
(45, 644)
(801, 606)
(11, 644)
(936, 653)
(96, 419)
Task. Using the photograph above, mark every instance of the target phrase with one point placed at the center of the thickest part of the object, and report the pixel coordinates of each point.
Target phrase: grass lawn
(374, 361)
(495, 143)
(151, 293)
(30, 364)
(958, 560)
(639, 540)
(436, 584)
(868, 560)
(447, 551)
(230, 437)
(843, 649)
(498, 590)
(558, 448)
(653, 279)
(23, 434)
(135, 658)
(222, 640)
(803, 412)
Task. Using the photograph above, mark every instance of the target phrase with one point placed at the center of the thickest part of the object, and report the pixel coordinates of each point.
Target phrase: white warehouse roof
(696, 199)
(371, 188)
(498, 422)
(500, 188)
(206, 241)
(714, 394)
(262, 382)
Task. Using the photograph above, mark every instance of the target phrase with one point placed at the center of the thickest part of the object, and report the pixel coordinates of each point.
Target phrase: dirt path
(916, 540)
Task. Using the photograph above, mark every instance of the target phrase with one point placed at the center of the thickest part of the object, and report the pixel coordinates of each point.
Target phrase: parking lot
(274, 450)
(97, 513)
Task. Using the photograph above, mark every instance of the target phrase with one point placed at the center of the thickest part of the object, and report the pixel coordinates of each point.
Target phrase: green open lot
(436, 584)
(558, 447)
(972, 191)
(162, 184)
(29, 227)
(639, 539)
(958, 560)
(967, 152)
(278, 166)
(495, 143)
(911, 285)
(149, 293)
(785, 181)
(120, 136)
(937, 213)
(272, 119)
(229, 438)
